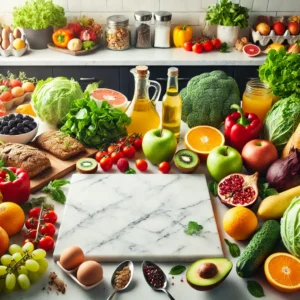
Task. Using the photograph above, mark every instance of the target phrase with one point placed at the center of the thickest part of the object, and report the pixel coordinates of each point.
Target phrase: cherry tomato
(31, 223)
(216, 43)
(34, 213)
(111, 148)
(46, 243)
(116, 156)
(50, 217)
(197, 48)
(138, 144)
(164, 167)
(207, 45)
(129, 151)
(32, 241)
(30, 234)
(106, 163)
(141, 165)
(188, 46)
(15, 82)
(48, 229)
(6, 97)
(100, 154)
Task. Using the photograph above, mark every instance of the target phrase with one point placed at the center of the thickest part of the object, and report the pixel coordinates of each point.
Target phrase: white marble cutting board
(114, 217)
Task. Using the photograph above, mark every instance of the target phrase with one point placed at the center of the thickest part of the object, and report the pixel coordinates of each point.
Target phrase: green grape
(41, 271)
(33, 277)
(32, 265)
(3, 270)
(10, 281)
(2, 284)
(43, 263)
(6, 259)
(22, 270)
(28, 247)
(24, 282)
(17, 256)
(38, 254)
(15, 249)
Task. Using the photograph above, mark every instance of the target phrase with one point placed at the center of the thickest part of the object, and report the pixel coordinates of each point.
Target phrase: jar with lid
(143, 29)
(162, 31)
(117, 33)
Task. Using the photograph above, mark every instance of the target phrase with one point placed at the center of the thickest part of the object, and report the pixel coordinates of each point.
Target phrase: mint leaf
(54, 190)
(255, 289)
(176, 270)
(193, 228)
(130, 171)
(213, 188)
(59, 182)
(233, 249)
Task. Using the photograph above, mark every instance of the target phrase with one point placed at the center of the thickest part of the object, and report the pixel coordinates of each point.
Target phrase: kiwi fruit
(87, 165)
(186, 161)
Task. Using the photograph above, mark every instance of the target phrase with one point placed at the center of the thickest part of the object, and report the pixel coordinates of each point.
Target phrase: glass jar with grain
(143, 29)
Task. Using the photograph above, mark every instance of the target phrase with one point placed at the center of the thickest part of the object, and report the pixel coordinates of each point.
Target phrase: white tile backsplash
(179, 5)
(114, 5)
(284, 5)
(260, 5)
(135, 5)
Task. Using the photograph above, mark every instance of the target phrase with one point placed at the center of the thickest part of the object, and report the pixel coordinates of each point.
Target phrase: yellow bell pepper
(182, 34)
(25, 109)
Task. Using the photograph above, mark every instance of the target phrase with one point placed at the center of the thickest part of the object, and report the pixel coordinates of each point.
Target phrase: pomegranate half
(238, 189)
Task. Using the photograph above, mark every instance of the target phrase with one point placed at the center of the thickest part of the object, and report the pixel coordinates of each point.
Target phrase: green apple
(223, 161)
(159, 145)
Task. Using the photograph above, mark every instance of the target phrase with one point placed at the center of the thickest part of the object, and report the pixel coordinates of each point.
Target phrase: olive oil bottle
(172, 104)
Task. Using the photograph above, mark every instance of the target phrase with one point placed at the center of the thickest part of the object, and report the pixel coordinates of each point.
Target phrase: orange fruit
(4, 241)
(283, 272)
(203, 139)
(12, 217)
(240, 223)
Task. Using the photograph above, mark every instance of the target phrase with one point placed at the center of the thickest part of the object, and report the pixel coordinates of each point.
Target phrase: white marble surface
(133, 57)
(139, 217)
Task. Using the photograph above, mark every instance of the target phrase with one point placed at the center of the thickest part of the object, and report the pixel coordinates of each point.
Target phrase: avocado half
(205, 274)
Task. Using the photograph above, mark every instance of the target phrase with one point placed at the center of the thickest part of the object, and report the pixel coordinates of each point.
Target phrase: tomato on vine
(46, 243)
(116, 156)
(48, 229)
(138, 144)
(129, 151)
(164, 167)
(50, 217)
(34, 213)
(141, 165)
(31, 223)
(99, 155)
(106, 163)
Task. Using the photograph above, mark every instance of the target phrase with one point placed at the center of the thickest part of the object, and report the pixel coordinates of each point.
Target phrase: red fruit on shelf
(294, 28)
(30, 234)
(106, 163)
(141, 165)
(31, 223)
(123, 165)
(207, 45)
(46, 243)
(50, 217)
(251, 50)
(138, 144)
(15, 83)
(34, 213)
(129, 151)
(197, 48)
(100, 154)
(216, 43)
(115, 156)
(279, 28)
(188, 46)
(48, 229)
(164, 167)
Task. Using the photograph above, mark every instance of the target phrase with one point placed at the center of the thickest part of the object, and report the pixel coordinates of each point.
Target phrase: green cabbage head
(290, 227)
(52, 98)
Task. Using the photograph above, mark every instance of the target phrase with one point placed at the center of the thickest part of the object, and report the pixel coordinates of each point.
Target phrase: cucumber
(259, 248)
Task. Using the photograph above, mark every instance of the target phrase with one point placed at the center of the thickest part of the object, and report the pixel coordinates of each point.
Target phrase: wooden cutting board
(75, 53)
(59, 168)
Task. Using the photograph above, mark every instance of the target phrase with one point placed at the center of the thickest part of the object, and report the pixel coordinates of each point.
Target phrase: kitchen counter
(132, 57)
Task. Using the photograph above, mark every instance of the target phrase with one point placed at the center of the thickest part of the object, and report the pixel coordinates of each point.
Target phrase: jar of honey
(257, 98)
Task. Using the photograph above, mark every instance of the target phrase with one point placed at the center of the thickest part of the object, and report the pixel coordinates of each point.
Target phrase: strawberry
(123, 165)
(88, 35)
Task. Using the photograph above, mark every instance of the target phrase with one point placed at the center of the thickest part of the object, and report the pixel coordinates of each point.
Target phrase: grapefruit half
(251, 50)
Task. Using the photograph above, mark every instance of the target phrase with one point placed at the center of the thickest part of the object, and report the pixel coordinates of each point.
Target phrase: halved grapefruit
(114, 98)
(251, 50)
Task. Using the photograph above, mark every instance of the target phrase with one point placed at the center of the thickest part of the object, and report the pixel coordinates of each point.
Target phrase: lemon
(19, 44)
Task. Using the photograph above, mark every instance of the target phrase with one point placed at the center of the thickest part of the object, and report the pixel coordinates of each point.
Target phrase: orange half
(282, 270)
(203, 139)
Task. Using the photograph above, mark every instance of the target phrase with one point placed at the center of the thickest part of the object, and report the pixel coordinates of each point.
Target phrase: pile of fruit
(279, 28)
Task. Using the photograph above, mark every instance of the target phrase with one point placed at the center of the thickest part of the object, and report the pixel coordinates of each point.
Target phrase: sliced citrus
(203, 139)
(283, 272)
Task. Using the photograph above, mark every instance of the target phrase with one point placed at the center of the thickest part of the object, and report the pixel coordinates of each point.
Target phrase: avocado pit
(208, 270)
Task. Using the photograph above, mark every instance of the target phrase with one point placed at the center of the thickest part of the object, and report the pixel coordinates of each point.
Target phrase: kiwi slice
(186, 161)
(87, 165)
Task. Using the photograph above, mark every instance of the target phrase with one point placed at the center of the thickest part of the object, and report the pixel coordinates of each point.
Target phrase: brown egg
(5, 44)
(5, 34)
(89, 273)
(17, 33)
(71, 258)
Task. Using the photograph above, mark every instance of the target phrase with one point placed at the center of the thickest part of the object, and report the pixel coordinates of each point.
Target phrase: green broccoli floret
(207, 99)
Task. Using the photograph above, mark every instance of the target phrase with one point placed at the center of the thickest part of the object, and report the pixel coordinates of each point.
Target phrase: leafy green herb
(176, 270)
(233, 249)
(213, 188)
(130, 171)
(2, 163)
(67, 144)
(55, 191)
(34, 202)
(264, 190)
(224, 48)
(193, 228)
(255, 289)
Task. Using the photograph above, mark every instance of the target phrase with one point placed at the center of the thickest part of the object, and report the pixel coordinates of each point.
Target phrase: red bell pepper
(240, 128)
(14, 185)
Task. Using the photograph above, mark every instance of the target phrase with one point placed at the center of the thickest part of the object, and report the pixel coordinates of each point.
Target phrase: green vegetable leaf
(213, 188)
(264, 190)
(176, 270)
(255, 289)
(2, 164)
(224, 48)
(193, 228)
(34, 202)
(130, 171)
(59, 182)
(233, 249)
(54, 190)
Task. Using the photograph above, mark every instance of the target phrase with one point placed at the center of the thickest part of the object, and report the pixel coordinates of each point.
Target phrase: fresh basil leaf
(130, 171)
(58, 195)
(33, 202)
(59, 182)
(255, 289)
(176, 270)
(213, 188)
(233, 249)
(193, 228)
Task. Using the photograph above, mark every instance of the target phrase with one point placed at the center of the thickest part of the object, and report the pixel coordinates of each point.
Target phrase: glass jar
(257, 98)
(143, 29)
(162, 31)
(117, 33)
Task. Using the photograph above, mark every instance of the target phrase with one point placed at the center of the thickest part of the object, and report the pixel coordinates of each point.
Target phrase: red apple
(258, 155)
(279, 28)
(294, 28)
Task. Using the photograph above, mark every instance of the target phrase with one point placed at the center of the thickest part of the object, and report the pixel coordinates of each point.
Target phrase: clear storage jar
(143, 29)
(162, 31)
(117, 33)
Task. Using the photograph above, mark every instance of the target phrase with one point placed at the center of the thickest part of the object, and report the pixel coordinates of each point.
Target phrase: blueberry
(31, 126)
(13, 131)
(6, 119)
(6, 129)
(26, 129)
(28, 118)
(4, 123)
(26, 122)
(11, 117)
(19, 126)
(12, 123)
(19, 117)
(21, 130)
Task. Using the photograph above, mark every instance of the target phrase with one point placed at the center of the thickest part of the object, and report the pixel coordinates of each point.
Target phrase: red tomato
(217, 43)
(129, 151)
(6, 82)
(46, 243)
(6, 97)
(100, 154)
(141, 165)
(111, 148)
(32, 241)
(197, 48)
(50, 217)
(31, 223)
(188, 46)
(138, 144)
(116, 156)
(15, 82)
(30, 234)
(207, 45)
(164, 167)
(106, 163)
(34, 213)
(48, 229)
